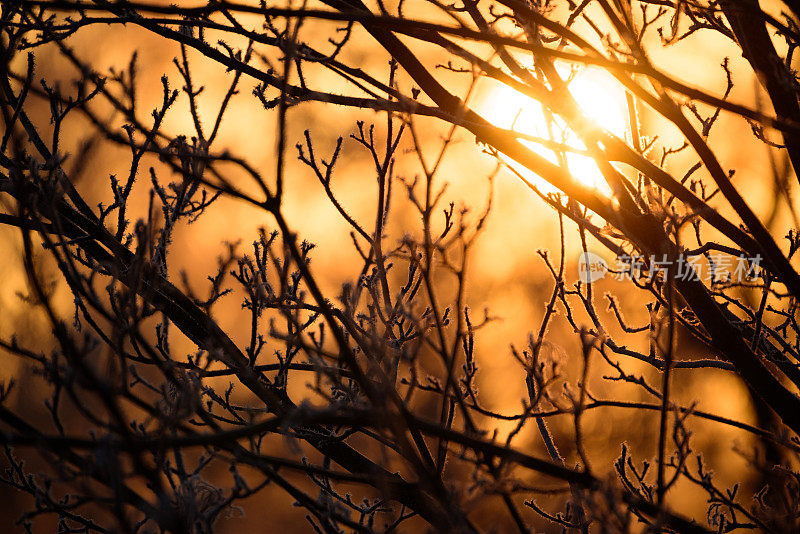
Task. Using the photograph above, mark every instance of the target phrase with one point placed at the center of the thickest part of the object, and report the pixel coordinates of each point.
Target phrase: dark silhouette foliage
(354, 404)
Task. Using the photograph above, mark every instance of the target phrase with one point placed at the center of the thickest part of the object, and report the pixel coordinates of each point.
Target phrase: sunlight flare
(601, 100)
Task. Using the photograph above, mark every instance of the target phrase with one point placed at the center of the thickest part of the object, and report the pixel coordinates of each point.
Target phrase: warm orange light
(601, 100)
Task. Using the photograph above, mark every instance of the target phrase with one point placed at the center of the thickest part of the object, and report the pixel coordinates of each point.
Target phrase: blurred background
(507, 277)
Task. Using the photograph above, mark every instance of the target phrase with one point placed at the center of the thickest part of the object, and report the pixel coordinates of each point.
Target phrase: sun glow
(600, 99)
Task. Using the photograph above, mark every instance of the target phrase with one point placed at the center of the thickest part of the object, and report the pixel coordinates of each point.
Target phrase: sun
(601, 100)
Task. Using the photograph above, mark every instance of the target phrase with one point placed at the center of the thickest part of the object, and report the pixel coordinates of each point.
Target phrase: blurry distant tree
(390, 433)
